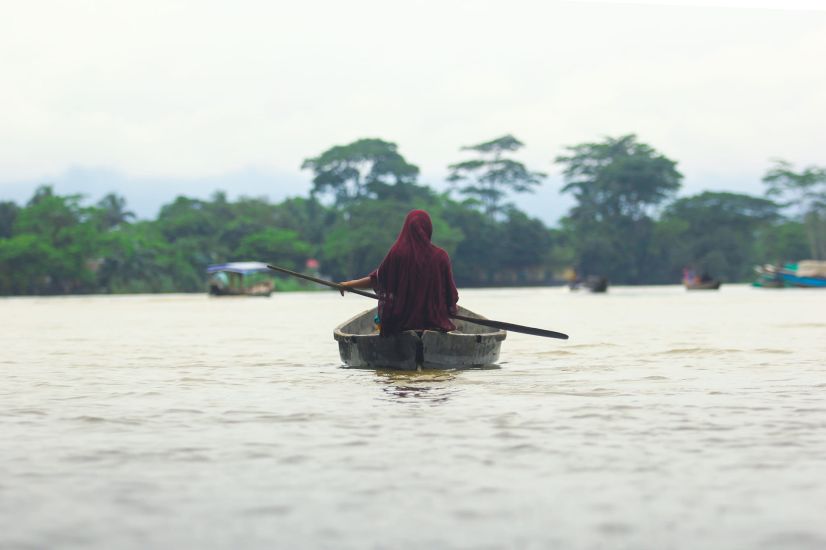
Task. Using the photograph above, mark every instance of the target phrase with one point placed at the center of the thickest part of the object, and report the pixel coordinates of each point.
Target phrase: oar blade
(533, 331)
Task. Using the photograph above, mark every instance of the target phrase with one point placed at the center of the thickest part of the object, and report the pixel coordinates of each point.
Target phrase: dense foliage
(490, 176)
(626, 224)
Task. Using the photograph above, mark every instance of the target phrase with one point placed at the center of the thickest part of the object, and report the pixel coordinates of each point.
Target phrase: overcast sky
(162, 97)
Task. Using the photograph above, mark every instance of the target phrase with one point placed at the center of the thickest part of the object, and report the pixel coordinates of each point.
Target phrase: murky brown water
(668, 420)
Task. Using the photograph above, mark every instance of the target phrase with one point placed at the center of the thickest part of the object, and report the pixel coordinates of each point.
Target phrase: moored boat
(692, 280)
(470, 345)
(805, 274)
(703, 285)
(592, 283)
(240, 279)
(596, 283)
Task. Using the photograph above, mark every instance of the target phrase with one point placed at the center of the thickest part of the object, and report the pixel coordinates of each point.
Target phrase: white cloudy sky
(154, 98)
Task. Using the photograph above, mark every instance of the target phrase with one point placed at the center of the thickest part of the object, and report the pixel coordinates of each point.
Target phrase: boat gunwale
(339, 335)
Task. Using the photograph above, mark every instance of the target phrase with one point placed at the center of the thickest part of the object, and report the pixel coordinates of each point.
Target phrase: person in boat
(414, 282)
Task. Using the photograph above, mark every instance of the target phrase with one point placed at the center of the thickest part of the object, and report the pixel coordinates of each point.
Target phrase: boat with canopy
(240, 279)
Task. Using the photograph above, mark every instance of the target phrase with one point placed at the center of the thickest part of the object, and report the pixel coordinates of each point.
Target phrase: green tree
(187, 217)
(358, 241)
(781, 242)
(236, 221)
(617, 184)
(716, 232)
(307, 217)
(804, 190)
(487, 179)
(618, 177)
(279, 246)
(64, 225)
(526, 247)
(8, 215)
(195, 229)
(476, 260)
(136, 259)
(27, 262)
(364, 168)
(50, 215)
(113, 212)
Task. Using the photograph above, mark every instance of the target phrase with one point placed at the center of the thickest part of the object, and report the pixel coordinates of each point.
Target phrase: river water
(670, 419)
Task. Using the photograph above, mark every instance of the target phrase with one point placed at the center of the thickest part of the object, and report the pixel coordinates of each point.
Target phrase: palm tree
(114, 211)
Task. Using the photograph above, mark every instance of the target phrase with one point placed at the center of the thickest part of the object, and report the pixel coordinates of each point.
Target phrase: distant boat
(470, 345)
(805, 274)
(768, 277)
(713, 284)
(693, 281)
(592, 283)
(803, 282)
(596, 283)
(240, 279)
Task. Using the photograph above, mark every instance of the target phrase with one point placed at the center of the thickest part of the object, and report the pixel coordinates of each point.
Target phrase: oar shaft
(513, 327)
(484, 322)
(323, 282)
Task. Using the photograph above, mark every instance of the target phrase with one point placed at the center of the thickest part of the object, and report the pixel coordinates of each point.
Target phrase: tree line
(627, 223)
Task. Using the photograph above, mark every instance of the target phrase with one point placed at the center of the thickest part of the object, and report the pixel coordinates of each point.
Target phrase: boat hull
(218, 291)
(805, 282)
(708, 285)
(468, 346)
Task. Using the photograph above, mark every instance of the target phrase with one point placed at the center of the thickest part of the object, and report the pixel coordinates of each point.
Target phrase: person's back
(414, 281)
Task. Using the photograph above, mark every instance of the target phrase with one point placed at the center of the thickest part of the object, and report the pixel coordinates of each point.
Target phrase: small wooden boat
(470, 345)
(703, 285)
(595, 283)
(592, 283)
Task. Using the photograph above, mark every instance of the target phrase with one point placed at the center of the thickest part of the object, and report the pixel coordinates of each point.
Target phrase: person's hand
(342, 286)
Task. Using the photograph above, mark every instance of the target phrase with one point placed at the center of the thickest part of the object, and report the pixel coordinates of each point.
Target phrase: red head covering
(414, 281)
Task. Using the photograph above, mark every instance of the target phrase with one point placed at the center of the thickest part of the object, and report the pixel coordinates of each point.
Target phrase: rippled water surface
(670, 419)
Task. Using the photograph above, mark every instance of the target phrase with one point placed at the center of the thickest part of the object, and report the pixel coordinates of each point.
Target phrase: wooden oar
(485, 322)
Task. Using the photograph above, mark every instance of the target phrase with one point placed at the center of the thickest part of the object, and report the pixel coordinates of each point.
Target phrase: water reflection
(434, 386)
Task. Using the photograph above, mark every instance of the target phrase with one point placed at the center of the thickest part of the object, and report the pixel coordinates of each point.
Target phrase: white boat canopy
(238, 267)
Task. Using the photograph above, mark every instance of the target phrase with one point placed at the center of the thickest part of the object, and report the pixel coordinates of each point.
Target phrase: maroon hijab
(414, 281)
